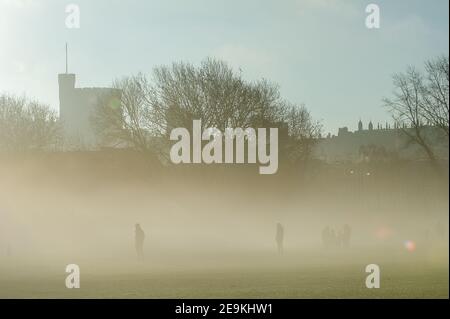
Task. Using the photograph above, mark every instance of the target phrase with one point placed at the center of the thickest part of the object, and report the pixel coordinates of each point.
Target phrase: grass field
(254, 277)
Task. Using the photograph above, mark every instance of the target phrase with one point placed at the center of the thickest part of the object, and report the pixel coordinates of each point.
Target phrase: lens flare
(410, 245)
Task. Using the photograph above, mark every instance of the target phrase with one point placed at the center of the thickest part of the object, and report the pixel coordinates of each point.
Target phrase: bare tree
(26, 125)
(128, 119)
(175, 96)
(435, 108)
(421, 103)
(213, 93)
(303, 132)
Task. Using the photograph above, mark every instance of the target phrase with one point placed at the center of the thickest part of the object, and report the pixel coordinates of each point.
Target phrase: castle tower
(67, 100)
(76, 108)
(66, 84)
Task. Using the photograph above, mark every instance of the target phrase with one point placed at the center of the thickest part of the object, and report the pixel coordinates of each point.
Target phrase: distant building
(377, 144)
(76, 107)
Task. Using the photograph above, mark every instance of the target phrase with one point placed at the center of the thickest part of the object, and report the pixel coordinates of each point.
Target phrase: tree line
(214, 93)
(173, 96)
(420, 100)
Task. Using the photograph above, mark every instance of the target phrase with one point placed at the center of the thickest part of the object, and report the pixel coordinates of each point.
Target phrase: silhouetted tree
(303, 132)
(26, 125)
(435, 108)
(127, 120)
(175, 96)
(421, 101)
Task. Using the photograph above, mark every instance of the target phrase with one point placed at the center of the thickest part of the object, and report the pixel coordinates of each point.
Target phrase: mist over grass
(57, 209)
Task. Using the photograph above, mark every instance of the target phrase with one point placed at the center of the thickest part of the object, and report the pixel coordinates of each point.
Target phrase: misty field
(257, 276)
(212, 234)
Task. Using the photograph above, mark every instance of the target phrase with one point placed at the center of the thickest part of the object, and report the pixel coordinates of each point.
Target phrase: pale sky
(319, 51)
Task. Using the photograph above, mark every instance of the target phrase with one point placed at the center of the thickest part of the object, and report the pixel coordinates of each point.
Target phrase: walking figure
(279, 238)
(139, 237)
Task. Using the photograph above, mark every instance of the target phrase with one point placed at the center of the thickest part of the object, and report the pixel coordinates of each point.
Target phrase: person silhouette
(139, 237)
(279, 237)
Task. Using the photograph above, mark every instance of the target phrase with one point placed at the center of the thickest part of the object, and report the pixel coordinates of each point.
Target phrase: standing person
(279, 237)
(139, 237)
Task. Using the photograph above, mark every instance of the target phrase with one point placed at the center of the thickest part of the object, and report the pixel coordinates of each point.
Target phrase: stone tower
(76, 110)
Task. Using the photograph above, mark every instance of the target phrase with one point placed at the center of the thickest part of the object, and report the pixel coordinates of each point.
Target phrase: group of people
(332, 238)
